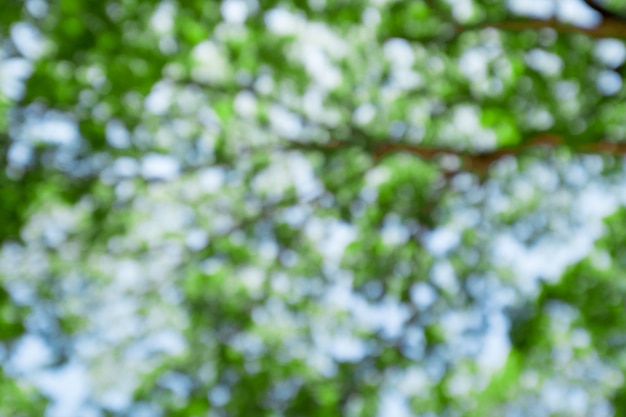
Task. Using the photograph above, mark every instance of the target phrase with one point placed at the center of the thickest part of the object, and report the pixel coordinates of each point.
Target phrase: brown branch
(478, 162)
(603, 11)
(612, 24)
(607, 28)
(611, 148)
(481, 162)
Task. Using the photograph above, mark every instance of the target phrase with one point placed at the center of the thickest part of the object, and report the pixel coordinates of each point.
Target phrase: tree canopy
(312, 208)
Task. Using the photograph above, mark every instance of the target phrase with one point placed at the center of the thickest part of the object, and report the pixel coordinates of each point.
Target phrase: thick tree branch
(612, 25)
(604, 12)
(478, 162)
(608, 27)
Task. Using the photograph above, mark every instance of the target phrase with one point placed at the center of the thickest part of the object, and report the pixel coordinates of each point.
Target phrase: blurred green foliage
(281, 209)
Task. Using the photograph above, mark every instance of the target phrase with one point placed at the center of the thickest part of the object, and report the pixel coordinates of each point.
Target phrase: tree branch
(478, 162)
(607, 28)
(604, 12)
(612, 25)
